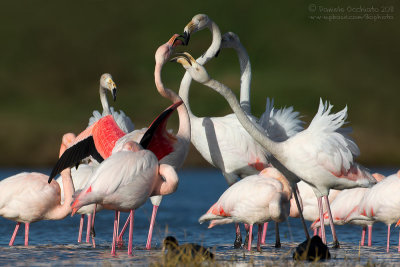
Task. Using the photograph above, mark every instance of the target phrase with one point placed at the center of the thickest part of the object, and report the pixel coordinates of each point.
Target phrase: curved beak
(186, 37)
(184, 58)
(174, 41)
(114, 93)
(190, 28)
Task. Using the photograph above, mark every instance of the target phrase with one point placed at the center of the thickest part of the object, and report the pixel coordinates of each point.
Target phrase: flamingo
(254, 199)
(27, 197)
(380, 203)
(341, 207)
(179, 142)
(322, 155)
(137, 175)
(222, 141)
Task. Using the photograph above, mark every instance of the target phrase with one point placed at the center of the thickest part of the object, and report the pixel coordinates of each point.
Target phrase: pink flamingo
(380, 203)
(27, 197)
(136, 174)
(254, 199)
(322, 155)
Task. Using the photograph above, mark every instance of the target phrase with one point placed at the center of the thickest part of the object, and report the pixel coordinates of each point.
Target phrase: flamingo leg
(14, 234)
(92, 232)
(277, 236)
(119, 215)
(238, 239)
(26, 234)
(81, 228)
(321, 219)
(335, 239)
(114, 234)
(388, 239)
(259, 237)
(369, 235)
(246, 240)
(319, 232)
(315, 230)
(250, 237)
(364, 229)
(89, 223)
(119, 240)
(264, 233)
(295, 193)
(132, 213)
(153, 220)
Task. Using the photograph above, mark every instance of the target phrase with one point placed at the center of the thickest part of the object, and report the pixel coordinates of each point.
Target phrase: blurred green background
(53, 53)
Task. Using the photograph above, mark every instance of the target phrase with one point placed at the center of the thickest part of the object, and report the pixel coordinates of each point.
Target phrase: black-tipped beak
(186, 37)
(114, 94)
(181, 55)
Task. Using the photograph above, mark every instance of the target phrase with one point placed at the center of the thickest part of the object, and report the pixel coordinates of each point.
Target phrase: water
(55, 242)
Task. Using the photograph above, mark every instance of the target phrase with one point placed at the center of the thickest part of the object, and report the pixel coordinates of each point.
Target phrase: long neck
(183, 134)
(168, 183)
(254, 130)
(245, 78)
(209, 54)
(61, 211)
(104, 101)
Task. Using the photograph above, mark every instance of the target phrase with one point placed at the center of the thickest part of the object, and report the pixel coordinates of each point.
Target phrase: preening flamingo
(222, 141)
(322, 155)
(136, 174)
(27, 197)
(380, 203)
(254, 199)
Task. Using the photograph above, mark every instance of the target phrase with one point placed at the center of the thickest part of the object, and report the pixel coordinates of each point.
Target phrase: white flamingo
(222, 141)
(322, 155)
(254, 199)
(136, 174)
(27, 197)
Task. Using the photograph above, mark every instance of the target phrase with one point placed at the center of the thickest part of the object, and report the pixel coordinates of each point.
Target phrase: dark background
(53, 53)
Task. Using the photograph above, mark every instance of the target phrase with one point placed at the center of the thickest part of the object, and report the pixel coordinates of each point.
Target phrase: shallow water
(55, 242)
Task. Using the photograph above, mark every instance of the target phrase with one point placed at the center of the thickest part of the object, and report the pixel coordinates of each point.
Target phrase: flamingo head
(165, 51)
(67, 140)
(198, 23)
(197, 71)
(107, 83)
(230, 40)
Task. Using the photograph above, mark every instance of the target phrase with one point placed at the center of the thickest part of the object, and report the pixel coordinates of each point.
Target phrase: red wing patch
(217, 209)
(105, 134)
(258, 165)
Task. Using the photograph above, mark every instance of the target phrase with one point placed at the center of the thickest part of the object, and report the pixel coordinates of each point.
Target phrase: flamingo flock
(274, 166)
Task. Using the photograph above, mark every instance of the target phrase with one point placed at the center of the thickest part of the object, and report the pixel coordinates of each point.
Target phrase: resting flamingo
(137, 175)
(380, 203)
(254, 199)
(322, 155)
(27, 197)
(236, 154)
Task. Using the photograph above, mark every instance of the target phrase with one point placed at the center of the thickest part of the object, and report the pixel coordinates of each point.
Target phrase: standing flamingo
(222, 141)
(322, 155)
(254, 199)
(380, 203)
(136, 174)
(27, 197)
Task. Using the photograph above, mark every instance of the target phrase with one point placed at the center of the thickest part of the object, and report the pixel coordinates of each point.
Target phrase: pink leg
(130, 232)
(120, 242)
(89, 225)
(153, 219)
(114, 233)
(388, 239)
(321, 219)
(26, 234)
(315, 230)
(264, 233)
(364, 229)
(369, 235)
(259, 237)
(319, 232)
(81, 228)
(92, 226)
(14, 234)
(250, 236)
(335, 239)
